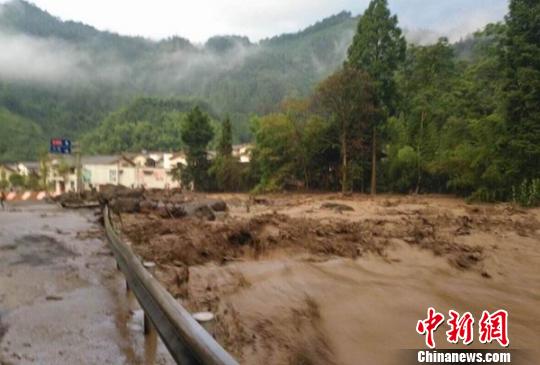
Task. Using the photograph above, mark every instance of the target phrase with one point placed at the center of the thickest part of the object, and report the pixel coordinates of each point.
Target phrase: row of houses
(145, 169)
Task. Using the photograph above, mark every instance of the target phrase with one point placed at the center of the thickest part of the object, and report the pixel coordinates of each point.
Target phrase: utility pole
(78, 165)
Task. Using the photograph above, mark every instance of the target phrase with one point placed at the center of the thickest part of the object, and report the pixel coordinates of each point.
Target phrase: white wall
(100, 174)
(131, 176)
(155, 178)
(127, 176)
(167, 165)
(70, 183)
(23, 170)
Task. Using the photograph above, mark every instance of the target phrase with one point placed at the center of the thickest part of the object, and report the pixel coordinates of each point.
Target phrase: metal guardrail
(187, 341)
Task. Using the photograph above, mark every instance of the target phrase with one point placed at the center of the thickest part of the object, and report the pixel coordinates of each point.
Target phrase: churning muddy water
(301, 279)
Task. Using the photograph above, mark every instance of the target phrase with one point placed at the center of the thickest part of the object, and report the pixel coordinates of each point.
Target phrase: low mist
(27, 58)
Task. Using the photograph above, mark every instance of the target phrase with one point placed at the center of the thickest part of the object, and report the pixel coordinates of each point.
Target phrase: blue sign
(59, 145)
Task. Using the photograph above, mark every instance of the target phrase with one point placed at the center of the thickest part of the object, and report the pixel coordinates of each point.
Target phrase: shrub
(527, 194)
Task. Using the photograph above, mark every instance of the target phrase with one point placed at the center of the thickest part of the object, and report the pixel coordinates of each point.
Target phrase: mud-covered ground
(326, 279)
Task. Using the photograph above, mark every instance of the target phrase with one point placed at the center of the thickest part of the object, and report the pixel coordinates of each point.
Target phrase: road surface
(62, 301)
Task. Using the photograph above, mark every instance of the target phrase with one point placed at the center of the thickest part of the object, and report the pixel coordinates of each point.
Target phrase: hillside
(144, 124)
(67, 77)
(18, 136)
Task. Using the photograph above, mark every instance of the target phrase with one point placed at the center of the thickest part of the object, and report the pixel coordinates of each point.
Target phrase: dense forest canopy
(466, 123)
(151, 124)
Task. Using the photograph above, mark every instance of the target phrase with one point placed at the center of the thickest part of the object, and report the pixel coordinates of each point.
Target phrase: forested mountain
(144, 124)
(15, 132)
(66, 77)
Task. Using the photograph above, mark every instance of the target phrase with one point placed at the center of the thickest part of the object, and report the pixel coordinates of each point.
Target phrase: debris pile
(167, 204)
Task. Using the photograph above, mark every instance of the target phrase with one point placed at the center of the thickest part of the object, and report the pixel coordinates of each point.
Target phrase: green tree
(4, 183)
(16, 180)
(63, 169)
(226, 169)
(228, 173)
(197, 132)
(426, 82)
(225, 141)
(32, 182)
(298, 112)
(522, 108)
(347, 98)
(378, 47)
(274, 156)
(44, 171)
(320, 141)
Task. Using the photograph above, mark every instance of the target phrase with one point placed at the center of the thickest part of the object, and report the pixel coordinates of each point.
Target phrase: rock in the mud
(169, 210)
(177, 210)
(486, 275)
(465, 226)
(162, 210)
(70, 198)
(241, 237)
(177, 198)
(337, 207)
(125, 205)
(218, 205)
(199, 210)
(465, 260)
(261, 201)
(53, 297)
(109, 192)
(147, 206)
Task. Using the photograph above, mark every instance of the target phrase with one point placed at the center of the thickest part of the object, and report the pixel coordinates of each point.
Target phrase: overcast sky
(198, 20)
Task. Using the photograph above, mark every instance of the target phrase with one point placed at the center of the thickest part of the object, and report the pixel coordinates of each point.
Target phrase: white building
(176, 160)
(97, 171)
(146, 169)
(27, 168)
(242, 152)
(5, 172)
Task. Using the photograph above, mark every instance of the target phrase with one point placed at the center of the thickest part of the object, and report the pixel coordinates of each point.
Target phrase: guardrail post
(150, 266)
(148, 326)
(206, 319)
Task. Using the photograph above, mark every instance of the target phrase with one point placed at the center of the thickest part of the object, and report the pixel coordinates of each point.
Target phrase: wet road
(62, 301)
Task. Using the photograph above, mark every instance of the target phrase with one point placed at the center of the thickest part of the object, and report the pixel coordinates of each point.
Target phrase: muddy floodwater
(326, 279)
(62, 301)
